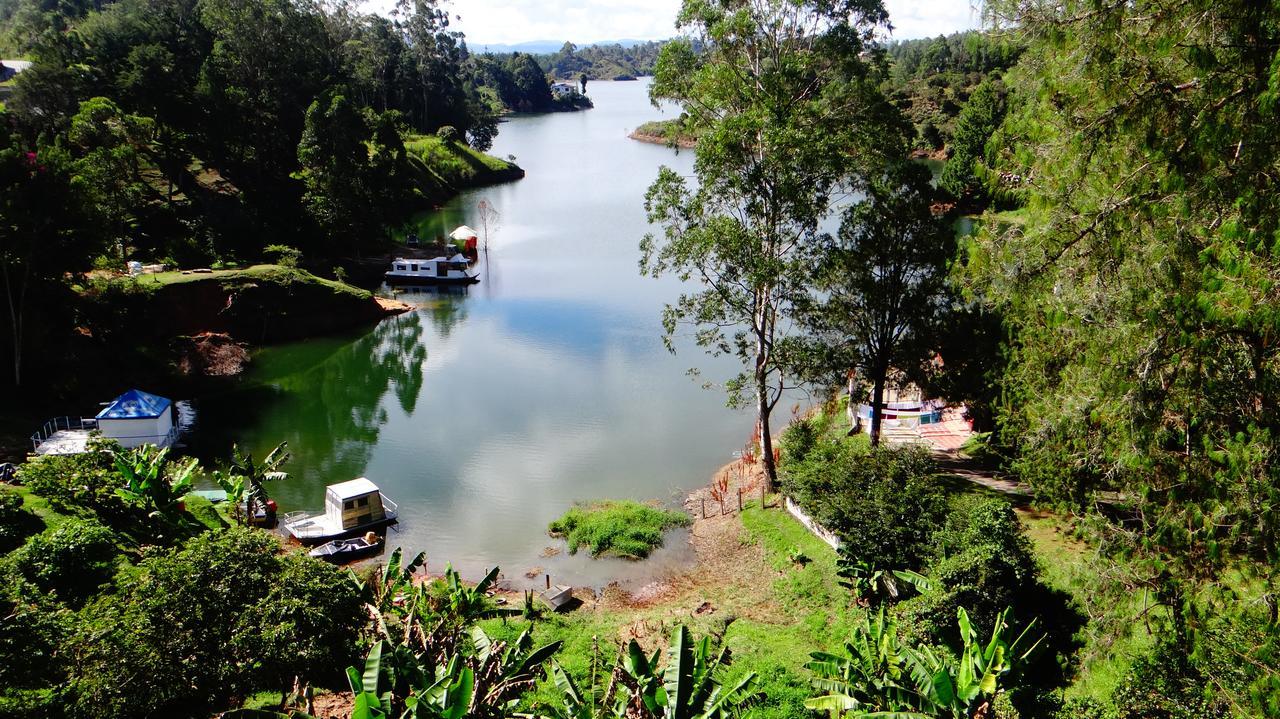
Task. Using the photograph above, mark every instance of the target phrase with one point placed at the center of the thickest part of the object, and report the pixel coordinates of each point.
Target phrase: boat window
(400, 267)
(363, 519)
(348, 504)
(362, 502)
(442, 269)
(413, 268)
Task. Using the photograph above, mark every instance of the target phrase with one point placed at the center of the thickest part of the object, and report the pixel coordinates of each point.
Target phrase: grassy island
(626, 529)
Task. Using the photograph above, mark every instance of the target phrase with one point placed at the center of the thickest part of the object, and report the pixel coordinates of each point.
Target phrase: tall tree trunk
(16, 311)
(877, 408)
(766, 438)
(851, 411)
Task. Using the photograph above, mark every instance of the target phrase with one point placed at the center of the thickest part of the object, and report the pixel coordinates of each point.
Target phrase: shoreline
(684, 143)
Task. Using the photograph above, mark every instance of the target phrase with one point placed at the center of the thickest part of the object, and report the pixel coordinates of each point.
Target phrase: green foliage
(877, 675)
(978, 121)
(78, 482)
(72, 560)
(283, 255)
(932, 79)
(768, 162)
(16, 523)
(876, 285)
(192, 625)
(626, 529)
(1138, 289)
(151, 482)
(601, 62)
(883, 503)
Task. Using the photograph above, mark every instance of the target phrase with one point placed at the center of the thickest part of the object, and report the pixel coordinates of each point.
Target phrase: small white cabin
(353, 504)
(561, 89)
(136, 418)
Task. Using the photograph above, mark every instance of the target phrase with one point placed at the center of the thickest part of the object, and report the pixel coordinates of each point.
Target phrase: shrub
(16, 523)
(71, 560)
(73, 482)
(1167, 685)
(627, 529)
(190, 627)
(283, 255)
(982, 562)
(882, 502)
(33, 632)
(448, 133)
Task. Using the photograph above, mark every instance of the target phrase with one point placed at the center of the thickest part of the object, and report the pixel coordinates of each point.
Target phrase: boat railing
(296, 524)
(60, 424)
(389, 508)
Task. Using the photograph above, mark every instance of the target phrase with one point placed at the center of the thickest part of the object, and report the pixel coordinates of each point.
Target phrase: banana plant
(468, 604)
(503, 672)
(369, 702)
(871, 584)
(147, 484)
(958, 686)
(879, 677)
(873, 674)
(688, 689)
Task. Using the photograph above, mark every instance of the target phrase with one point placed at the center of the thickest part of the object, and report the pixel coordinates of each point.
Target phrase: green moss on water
(626, 529)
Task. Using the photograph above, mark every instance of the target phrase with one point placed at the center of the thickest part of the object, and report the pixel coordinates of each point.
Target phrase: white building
(561, 89)
(136, 418)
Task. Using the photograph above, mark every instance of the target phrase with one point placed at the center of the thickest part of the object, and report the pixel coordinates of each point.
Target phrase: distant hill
(542, 47)
(600, 61)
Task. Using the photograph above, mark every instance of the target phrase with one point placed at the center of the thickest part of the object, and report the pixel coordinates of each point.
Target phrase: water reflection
(488, 411)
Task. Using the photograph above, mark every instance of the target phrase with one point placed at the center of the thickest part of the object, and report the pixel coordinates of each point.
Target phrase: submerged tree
(879, 282)
(788, 111)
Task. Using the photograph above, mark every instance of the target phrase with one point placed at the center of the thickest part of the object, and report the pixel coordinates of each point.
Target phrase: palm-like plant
(871, 584)
(879, 677)
(244, 478)
(689, 688)
(148, 484)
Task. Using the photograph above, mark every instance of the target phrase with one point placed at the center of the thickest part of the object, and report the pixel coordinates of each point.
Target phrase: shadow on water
(323, 400)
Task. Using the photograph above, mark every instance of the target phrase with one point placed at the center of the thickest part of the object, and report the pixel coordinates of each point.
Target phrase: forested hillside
(931, 79)
(601, 62)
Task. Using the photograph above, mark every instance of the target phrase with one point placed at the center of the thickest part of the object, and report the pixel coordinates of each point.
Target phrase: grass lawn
(769, 610)
(455, 162)
(265, 273)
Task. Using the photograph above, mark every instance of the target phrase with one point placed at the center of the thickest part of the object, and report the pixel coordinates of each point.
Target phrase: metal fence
(59, 424)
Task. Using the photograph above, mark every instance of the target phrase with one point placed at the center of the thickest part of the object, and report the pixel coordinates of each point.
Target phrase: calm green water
(485, 415)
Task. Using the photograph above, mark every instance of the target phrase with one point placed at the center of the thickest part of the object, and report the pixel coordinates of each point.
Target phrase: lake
(486, 414)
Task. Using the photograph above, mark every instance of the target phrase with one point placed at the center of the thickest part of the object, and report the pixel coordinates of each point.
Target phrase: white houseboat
(350, 510)
(439, 270)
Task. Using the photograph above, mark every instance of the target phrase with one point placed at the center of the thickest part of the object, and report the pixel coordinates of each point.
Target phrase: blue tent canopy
(135, 404)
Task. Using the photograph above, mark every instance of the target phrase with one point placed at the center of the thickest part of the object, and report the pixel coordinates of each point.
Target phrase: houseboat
(350, 509)
(439, 271)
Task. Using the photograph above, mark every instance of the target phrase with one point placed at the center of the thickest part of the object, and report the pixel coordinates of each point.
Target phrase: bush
(220, 616)
(448, 133)
(16, 523)
(626, 529)
(1167, 685)
(283, 255)
(71, 561)
(982, 562)
(882, 502)
(77, 482)
(33, 633)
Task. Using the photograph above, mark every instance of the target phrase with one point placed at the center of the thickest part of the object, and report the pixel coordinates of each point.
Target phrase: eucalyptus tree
(785, 97)
(881, 280)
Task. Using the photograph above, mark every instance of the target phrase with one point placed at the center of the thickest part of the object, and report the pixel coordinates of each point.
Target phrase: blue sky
(586, 21)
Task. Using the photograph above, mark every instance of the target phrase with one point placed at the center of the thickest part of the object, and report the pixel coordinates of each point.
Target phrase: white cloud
(586, 21)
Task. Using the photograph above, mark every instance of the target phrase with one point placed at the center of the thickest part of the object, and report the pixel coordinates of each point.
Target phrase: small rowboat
(341, 551)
